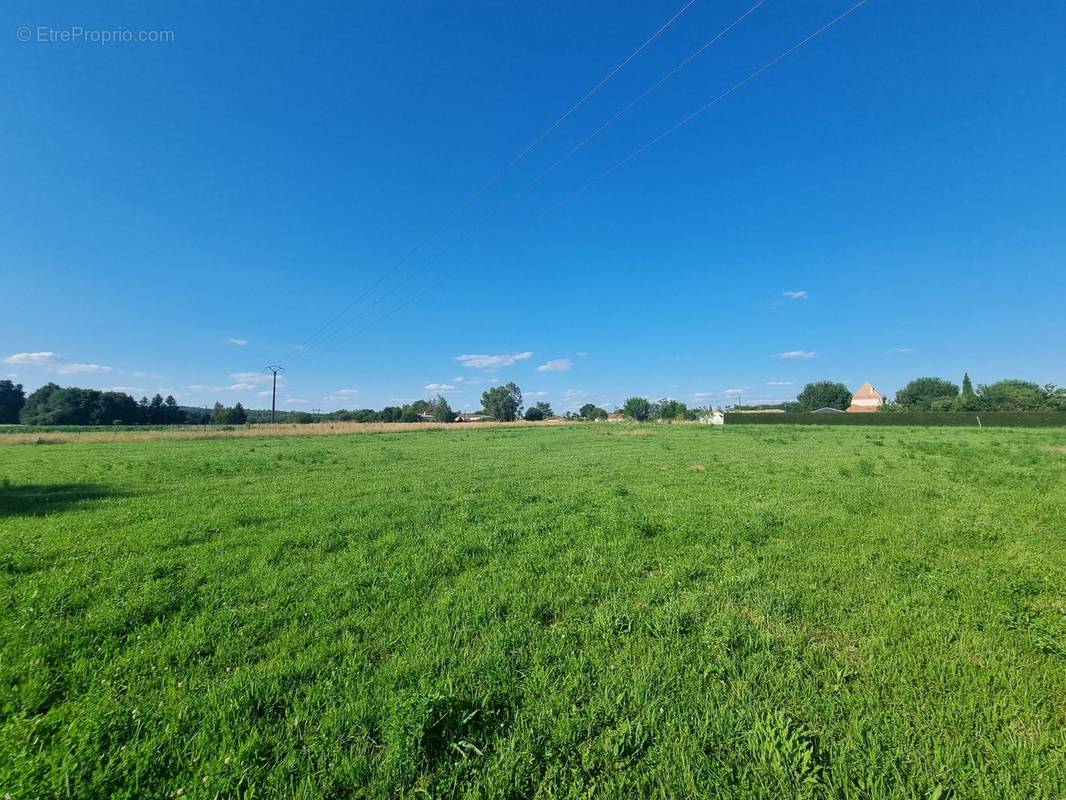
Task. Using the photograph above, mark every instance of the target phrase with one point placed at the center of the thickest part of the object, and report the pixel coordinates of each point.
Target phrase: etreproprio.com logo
(76, 34)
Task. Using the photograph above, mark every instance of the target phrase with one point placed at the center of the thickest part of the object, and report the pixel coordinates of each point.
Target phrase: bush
(989, 419)
(637, 408)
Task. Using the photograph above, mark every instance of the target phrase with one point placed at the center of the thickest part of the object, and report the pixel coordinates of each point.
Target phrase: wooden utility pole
(274, 391)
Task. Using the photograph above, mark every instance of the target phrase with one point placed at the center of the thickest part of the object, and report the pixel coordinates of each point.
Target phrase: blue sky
(886, 202)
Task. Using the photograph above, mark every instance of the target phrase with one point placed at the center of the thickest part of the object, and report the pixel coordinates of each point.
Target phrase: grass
(577, 611)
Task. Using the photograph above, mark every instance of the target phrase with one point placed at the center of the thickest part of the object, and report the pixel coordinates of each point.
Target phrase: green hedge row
(988, 419)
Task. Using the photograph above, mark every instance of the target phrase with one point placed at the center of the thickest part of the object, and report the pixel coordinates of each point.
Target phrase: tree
(671, 410)
(12, 399)
(967, 385)
(637, 408)
(221, 415)
(502, 403)
(441, 411)
(922, 394)
(592, 412)
(409, 414)
(172, 413)
(539, 411)
(1015, 395)
(824, 394)
(391, 414)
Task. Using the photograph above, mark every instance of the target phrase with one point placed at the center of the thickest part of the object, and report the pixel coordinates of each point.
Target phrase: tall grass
(537, 612)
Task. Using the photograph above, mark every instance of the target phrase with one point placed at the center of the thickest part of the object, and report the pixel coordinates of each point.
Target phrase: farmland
(568, 611)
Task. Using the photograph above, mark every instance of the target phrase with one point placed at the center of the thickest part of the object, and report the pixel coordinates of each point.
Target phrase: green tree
(922, 394)
(671, 410)
(533, 414)
(71, 405)
(172, 413)
(824, 394)
(441, 411)
(502, 403)
(637, 408)
(592, 412)
(1015, 395)
(967, 385)
(12, 399)
(221, 415)
(409, 413)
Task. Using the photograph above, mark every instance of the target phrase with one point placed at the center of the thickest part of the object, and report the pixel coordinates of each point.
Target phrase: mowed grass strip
(584, 611)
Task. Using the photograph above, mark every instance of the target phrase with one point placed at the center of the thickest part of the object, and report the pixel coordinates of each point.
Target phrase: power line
(711, 103)
(672, 129)
(684, 63)
(525, 151)
(477, 225)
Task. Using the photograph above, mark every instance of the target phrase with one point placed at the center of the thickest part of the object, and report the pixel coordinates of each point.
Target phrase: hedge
(988, 419)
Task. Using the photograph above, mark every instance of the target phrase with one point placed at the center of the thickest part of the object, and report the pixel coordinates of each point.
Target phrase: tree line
(52, 404)
(940, 394)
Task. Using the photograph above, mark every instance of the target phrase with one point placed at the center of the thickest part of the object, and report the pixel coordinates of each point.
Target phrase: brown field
(104, 434)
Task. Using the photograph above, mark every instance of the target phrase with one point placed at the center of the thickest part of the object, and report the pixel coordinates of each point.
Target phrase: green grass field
(587, 611)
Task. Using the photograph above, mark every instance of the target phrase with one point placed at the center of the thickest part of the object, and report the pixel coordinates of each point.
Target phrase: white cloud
(574, 394)
(703, 395)
(147, 375)
(796, 354)
(438, 387)
(535, 394)
(482, 361)
(240, 386)
(236, 342)
(127, 389)
(732, 392)
(54, 363)
(556, 365)
(799, 294)
(256, 378)
(346, 393)
(901, 351)
(295, 401)
(779, 383)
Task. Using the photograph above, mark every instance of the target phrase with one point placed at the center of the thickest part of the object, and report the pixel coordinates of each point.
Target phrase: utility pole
(274, 392)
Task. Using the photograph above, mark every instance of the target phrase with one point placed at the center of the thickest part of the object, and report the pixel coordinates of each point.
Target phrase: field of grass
(575, 611)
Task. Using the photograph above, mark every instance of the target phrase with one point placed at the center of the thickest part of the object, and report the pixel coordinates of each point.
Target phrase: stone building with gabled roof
(866, 400)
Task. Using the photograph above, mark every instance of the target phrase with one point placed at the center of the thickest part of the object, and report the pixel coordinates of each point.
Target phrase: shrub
(989, 419)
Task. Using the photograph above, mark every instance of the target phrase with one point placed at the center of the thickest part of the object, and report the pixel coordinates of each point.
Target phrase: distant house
(827, 410)
(616, 416)
(465, 417)
(866, 400)
(425, 417)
